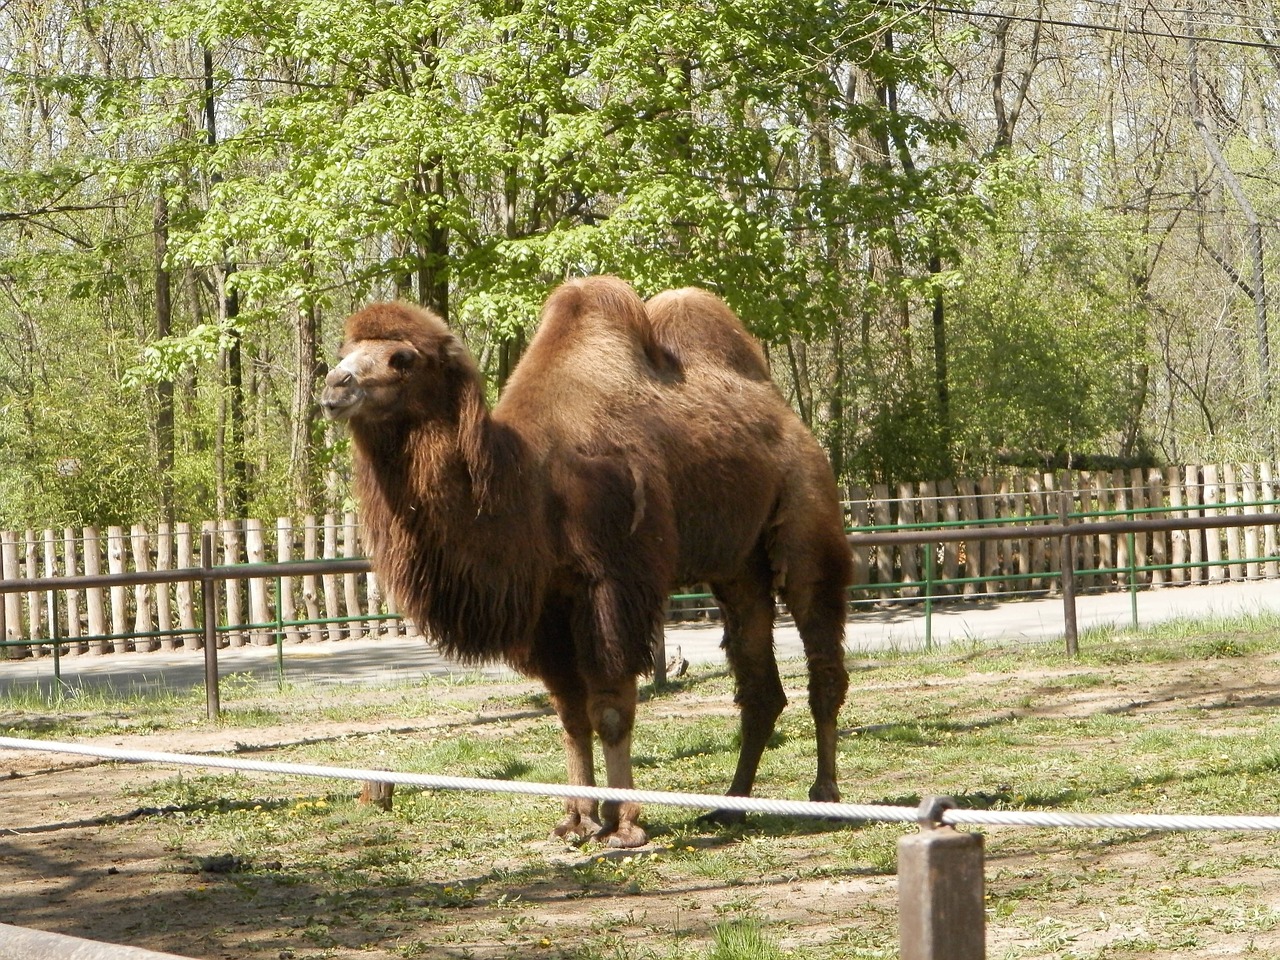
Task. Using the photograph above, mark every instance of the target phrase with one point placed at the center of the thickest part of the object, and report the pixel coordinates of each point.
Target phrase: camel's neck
(451, 512)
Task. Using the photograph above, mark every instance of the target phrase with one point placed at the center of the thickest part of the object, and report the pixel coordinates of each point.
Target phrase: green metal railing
(928, 590)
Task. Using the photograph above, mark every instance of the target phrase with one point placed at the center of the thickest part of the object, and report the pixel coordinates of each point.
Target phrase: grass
(1178, 719)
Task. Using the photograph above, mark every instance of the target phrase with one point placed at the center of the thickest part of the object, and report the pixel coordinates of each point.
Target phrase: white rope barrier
(797, 808)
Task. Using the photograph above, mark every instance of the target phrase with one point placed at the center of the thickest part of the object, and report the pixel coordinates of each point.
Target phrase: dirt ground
(79, 856)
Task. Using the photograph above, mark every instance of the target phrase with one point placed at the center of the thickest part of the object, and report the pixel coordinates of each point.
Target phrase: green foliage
(1048, 333)
(743, 939)
(467, 156)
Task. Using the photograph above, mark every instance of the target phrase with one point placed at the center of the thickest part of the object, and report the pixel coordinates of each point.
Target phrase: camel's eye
(402, 359)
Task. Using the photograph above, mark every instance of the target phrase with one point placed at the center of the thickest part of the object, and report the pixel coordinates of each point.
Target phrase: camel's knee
(828, 684)
(820, 619)
(611, 725)
(761, 695)
(612, 717)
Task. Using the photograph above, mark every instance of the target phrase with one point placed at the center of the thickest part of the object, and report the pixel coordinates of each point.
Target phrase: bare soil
(80, 856)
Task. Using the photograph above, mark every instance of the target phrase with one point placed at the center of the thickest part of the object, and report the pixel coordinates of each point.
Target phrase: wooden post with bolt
(941, 909)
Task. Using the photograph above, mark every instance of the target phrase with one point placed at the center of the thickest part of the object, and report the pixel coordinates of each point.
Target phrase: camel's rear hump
(698, 328)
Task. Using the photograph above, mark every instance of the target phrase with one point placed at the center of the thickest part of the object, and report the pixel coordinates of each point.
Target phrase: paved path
(402, 660)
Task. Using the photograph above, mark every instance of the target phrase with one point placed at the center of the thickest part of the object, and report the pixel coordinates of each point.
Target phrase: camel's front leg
(613, 711)
(570, 702)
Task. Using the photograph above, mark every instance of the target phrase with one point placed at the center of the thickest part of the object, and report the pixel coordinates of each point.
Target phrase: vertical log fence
(146, 602)
(134, 590)
(1017, 564)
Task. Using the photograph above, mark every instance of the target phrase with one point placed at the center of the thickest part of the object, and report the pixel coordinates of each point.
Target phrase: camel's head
(396, 359)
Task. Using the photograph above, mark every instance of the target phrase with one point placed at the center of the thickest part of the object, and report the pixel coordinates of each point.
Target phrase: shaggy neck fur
(447, 524)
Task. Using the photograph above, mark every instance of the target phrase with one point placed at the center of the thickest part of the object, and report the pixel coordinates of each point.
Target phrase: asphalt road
(899, 626)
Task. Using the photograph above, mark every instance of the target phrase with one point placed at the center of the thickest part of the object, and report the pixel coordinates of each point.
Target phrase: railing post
(1069, 627)
(209, 604)
(57, 644)
(279, 633)
(941, 904)
(1133, 582)
(928, 595)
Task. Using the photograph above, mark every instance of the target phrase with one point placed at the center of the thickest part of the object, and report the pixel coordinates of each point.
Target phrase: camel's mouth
(340, 404)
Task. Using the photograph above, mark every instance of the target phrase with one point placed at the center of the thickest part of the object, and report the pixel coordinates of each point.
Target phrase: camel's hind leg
(569, 698)
(748, 646)
(815, 591)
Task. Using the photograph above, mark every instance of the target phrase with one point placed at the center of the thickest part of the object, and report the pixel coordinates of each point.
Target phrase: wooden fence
(1105, 560)
(99, 620)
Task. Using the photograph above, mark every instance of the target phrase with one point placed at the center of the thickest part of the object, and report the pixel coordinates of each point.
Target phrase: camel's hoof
(576, 829)
(626, 836)
(824, 793)
(723, 818)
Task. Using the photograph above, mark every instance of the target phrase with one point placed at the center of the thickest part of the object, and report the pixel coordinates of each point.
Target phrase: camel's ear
(452, 349)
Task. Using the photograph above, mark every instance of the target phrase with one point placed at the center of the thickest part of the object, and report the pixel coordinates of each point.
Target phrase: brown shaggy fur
(635, 448)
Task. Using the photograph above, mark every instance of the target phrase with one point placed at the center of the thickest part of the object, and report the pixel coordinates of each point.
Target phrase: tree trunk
(308, 371)
(433, 248)
(164, 327)
(235, 483)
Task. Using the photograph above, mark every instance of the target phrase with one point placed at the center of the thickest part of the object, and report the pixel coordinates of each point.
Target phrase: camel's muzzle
(342, 394)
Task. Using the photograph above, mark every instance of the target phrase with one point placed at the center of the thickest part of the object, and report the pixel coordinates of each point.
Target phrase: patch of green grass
(743, 938)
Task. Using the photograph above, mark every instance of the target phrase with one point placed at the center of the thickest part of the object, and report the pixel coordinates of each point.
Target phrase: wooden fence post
(929, 515)
(119, 609)
(1141, 539)
(881, 517)
(284, 554)
(193, 638)
(907, 553)
(12, 601)
(164, 599)
(1086, 547)
(332, 611)
(209, 622)
(972, 548)
(1179, 539)
(861, 555)
(259, 612)
(230, 556)
(35, 616)
(95, 608)
(1067, 552)
(1196, 539)
(951, 549)
(1105, 549)
(941, 908)
(1231, 496)
(310, 586)
(1249, 495)
(1123, 503)
(1159, 538)
(1021, 546)
(1213, 538)
(71, 568)
(350, 588)
(142, 622)
(1269, 539)
(51, 596)
(988, 511)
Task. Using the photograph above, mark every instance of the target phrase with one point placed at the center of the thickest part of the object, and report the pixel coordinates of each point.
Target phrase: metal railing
(1064, 529)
